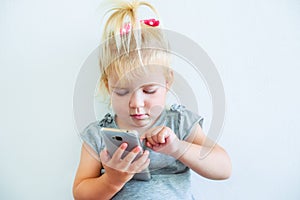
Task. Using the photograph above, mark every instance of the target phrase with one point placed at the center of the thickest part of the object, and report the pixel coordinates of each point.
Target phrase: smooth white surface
(254, 44)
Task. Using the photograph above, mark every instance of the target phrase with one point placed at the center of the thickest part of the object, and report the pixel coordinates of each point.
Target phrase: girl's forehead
(136, 79)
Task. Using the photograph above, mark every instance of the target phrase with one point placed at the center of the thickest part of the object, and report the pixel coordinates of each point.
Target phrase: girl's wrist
(113, 183)
(182, 148)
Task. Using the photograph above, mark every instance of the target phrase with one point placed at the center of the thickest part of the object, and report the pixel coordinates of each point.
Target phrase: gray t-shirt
(170, 178)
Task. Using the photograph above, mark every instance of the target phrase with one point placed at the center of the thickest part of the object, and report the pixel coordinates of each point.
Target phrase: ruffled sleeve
(186, 120)
(91, 136)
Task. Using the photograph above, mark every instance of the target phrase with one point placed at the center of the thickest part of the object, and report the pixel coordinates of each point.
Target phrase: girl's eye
(121, 92)
(149, 91)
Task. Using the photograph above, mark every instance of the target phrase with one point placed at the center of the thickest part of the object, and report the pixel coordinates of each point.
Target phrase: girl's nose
(136, 100)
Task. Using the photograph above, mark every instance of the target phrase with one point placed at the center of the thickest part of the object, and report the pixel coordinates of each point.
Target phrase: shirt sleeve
(187, 121)
(91, 136)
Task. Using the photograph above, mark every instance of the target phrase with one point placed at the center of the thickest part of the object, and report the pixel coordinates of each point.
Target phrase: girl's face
(139, 102)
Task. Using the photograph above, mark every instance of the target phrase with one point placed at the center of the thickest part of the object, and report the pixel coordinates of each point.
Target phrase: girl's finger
(149, 145)
(119, 152)
(151, 135)
(104, 156)
(132, 155)
(139, 164)
(150, 140)
(151, 131)
(162, 135)
(145, 165)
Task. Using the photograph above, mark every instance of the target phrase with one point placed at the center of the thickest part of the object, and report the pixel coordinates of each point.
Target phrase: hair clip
(126, 28)
(150, 22)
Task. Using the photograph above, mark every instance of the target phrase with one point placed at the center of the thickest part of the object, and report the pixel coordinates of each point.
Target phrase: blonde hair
(141, 46)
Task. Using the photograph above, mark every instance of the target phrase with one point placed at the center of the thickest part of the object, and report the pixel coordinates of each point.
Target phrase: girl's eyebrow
(150, 85)
(118, 88)
(145, 85)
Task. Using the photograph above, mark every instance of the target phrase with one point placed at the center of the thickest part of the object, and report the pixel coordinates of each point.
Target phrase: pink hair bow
(150, 22)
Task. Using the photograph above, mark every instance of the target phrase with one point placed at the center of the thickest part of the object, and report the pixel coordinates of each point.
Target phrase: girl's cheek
(119, 100)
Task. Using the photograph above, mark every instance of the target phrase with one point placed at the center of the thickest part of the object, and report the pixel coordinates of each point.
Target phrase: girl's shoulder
(177, 108)
(183, 114)
(94, 127)
(92, 134)
(181, 120)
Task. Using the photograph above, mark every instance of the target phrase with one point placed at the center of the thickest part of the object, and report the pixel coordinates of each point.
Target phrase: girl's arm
(90, 184)
(197, 152)
(204, 156)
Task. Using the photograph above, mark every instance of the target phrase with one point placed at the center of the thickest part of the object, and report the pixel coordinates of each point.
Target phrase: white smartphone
(113, 138)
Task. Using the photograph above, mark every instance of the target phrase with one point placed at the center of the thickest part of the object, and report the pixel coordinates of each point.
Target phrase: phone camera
(118, 138)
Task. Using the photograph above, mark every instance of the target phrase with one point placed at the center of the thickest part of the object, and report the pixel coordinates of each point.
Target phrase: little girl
(136, 73)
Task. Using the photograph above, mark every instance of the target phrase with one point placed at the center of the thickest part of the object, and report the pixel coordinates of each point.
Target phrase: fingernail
(136, 149)
(124, 146)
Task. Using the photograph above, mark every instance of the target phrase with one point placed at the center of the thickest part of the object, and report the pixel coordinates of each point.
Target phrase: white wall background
(254, 44)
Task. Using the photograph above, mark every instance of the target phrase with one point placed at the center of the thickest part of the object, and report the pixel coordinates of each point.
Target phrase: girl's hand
(120, 171)
(163, 140)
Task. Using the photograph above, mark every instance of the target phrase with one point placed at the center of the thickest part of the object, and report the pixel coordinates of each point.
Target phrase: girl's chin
(144, 123)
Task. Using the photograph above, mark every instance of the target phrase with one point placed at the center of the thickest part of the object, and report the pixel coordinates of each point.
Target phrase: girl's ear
(170, 79)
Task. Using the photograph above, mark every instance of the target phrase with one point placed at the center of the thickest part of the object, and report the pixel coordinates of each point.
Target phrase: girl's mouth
(139, 116)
